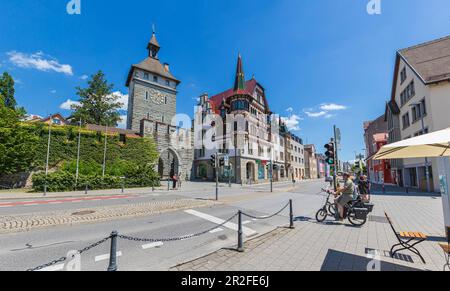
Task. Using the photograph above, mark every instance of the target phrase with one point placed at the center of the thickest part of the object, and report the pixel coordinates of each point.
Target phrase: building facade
(419, 105)
(310, 162)
(375, 136)
(239, 123)
(152, 113)
(296, 157)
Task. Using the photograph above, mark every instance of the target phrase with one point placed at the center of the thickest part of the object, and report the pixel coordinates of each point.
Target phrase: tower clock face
(157, 97)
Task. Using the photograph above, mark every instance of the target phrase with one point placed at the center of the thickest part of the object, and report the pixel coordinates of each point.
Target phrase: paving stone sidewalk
(339, 247)
(19, 223)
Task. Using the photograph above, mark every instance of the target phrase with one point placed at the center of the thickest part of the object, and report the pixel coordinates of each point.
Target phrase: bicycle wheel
(321, 215)
(356, 221)
(331, 209)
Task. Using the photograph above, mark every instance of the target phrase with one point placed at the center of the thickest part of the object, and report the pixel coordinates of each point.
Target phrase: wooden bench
(446, 249)
(407, 240)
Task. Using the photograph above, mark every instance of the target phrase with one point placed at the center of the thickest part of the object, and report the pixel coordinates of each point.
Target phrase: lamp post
(48, 153)
(104, 152)
(78, 155)
(427, 172)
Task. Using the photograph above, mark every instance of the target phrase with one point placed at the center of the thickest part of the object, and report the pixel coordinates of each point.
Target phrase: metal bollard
(113, 253)
(291, 215)
(240, 247)
(123, 185)
(168, 184)
(45, 189)
(86, 189)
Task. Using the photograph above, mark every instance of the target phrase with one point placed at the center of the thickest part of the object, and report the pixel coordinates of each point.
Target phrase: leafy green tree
(18, 146)
(7, 91)
(97, 103)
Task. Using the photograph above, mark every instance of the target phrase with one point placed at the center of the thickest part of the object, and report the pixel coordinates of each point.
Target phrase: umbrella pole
(444, 181)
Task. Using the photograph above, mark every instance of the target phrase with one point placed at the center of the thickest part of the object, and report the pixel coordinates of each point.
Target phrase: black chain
(266, 217)
(177, 238)
(63, 259)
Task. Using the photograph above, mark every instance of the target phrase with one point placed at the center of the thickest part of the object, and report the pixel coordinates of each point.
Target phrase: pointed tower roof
(153, 41)
(239, 83)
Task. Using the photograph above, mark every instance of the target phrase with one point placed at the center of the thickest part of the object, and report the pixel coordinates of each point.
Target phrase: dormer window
(155, 79)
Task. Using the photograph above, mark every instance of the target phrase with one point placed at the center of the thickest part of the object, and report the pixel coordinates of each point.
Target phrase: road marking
(152, 245)
(216, 230)
(106, 257)
(233, 226)
(53, 268)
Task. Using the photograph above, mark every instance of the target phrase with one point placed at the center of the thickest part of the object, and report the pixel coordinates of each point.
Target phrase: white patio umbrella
(432, 145)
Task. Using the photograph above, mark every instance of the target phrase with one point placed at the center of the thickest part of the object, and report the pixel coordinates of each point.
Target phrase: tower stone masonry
(152, 112)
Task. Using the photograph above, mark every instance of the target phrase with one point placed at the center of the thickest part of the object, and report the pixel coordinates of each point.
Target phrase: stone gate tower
(152, 111)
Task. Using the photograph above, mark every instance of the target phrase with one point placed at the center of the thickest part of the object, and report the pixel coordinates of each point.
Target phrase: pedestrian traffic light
(222, 162)
(330, 154)
(213, 160)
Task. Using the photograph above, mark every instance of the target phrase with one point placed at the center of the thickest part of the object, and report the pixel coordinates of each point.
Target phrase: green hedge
(134, 159)
(65, 181)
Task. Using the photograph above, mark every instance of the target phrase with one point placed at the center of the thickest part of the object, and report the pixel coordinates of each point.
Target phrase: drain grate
(81, 213)
(379, 219)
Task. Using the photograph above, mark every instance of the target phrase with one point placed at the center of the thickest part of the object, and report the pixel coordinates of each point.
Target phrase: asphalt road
(21, 251)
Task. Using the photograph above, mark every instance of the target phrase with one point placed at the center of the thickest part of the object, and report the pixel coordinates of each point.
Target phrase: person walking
(174, 182)
(179, 178)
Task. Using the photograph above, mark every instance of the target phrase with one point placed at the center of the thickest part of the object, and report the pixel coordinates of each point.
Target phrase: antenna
(153, 28)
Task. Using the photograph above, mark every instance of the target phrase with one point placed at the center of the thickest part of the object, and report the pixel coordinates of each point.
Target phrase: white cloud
(123, 122)
(84, 77)
(332, 107)
(68, 104)
(53, 91)
(122, 98)
(39, 62)
(292, 122)
(316, 114)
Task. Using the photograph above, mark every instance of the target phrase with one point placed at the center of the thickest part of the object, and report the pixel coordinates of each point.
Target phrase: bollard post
(113, 253)
(168, 184)
(86, 189)
(45, 189)
(291, 215)
(240, 233)
(123, 185)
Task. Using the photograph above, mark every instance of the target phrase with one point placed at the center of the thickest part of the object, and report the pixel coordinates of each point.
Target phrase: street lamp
(427, 172)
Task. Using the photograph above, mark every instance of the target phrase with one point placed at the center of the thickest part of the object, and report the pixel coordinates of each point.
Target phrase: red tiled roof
(250, 86)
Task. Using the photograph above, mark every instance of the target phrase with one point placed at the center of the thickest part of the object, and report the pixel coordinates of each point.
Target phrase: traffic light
(222, 162)
(330, 154)
(213, 161)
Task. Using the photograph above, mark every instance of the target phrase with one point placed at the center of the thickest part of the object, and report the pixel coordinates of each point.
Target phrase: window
(405, 120)
(165, 100)
(146, 77)
(240, 105)
(167, 83)
(408, 93)
(146, 95)
(155, 79)
(403, 75)
(418, 111)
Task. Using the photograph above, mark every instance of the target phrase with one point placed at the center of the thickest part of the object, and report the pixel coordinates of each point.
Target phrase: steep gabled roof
(430, 60)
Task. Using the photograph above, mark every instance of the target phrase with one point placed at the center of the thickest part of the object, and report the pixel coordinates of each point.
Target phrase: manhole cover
(81, 213)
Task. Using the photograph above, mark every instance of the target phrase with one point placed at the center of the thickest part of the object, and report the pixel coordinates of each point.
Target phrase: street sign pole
(217, 176)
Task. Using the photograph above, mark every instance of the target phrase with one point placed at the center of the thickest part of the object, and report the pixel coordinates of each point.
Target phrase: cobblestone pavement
(19, 223)
(338, 246)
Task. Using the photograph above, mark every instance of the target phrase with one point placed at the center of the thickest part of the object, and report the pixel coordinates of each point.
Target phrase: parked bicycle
(355, 211)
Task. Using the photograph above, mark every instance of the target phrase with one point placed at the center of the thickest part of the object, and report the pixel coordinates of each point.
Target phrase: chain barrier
(63, 259)
(177, 238)
(266, 217)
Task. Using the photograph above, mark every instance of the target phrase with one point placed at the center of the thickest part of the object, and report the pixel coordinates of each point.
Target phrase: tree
(97, 103)
(17, 144)
(7, 90)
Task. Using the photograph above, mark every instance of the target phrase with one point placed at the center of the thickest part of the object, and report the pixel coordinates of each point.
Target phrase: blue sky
(309, 55)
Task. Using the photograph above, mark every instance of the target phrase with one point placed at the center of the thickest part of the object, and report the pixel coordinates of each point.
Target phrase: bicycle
(355, 211)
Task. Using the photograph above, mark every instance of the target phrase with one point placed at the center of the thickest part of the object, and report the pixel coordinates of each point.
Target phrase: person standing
(179, 177)
(174, 182)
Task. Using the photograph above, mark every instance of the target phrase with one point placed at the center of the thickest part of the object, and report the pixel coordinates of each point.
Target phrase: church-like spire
(153, 46)
(239, 83)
